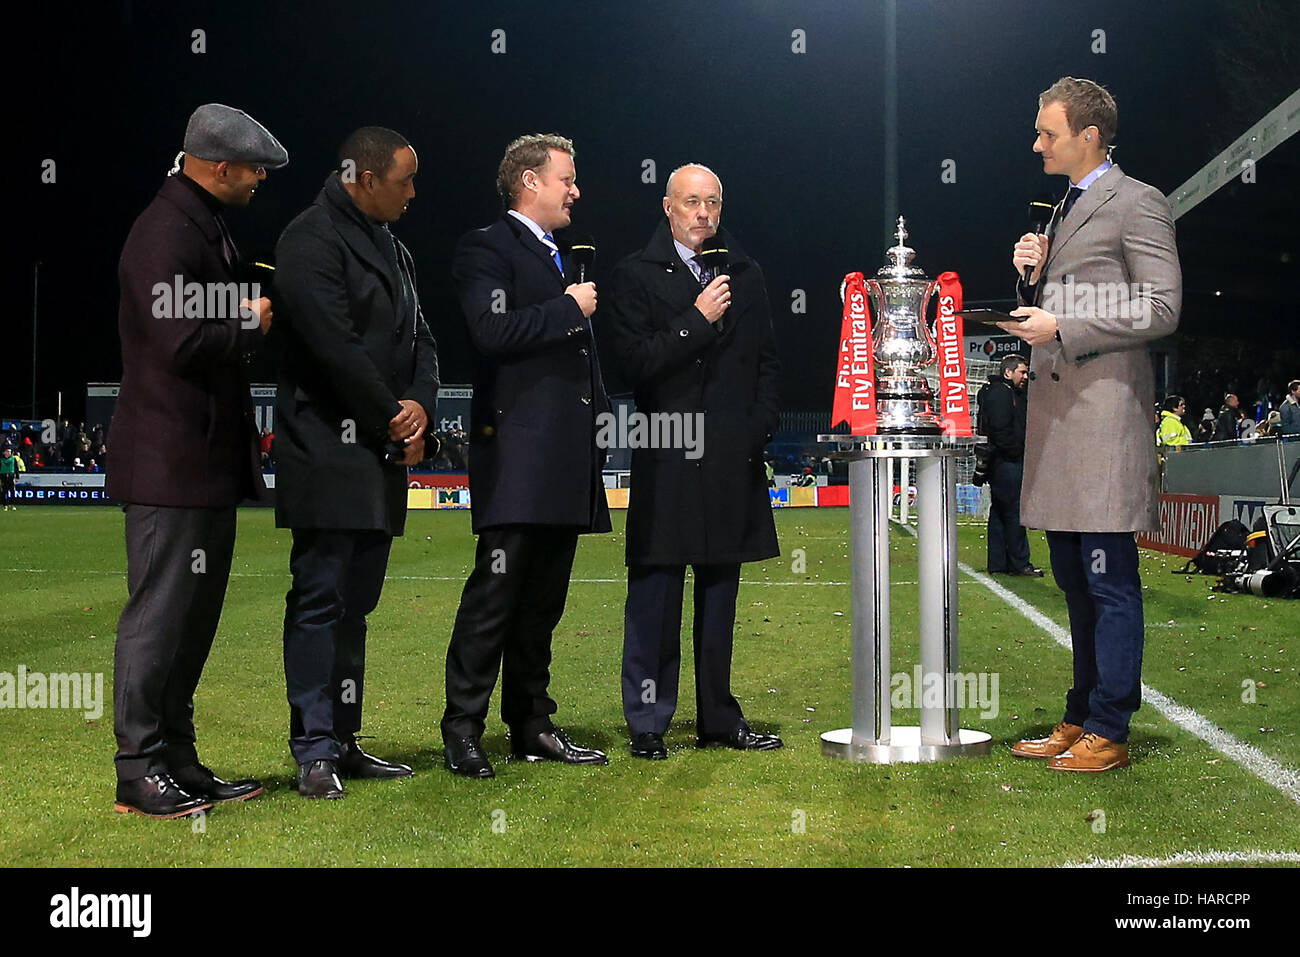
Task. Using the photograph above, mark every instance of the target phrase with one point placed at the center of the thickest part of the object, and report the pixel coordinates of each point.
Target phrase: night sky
(796, 137)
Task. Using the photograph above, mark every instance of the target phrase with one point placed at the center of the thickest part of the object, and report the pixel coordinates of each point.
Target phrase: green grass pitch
(62, 582)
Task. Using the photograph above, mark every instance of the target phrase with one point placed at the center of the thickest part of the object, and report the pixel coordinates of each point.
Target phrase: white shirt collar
(536, 230)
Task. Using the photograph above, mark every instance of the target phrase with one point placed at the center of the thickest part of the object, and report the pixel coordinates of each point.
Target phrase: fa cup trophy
(903, 343)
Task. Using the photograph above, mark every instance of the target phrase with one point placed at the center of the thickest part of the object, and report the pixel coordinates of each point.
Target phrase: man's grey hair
(668, 186)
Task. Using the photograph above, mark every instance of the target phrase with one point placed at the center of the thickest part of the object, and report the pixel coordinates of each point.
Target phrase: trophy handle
(925, 322)
(876, 296)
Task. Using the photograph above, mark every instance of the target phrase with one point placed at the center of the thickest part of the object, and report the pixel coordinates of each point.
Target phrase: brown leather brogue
(1092, 752)
(1058, 742)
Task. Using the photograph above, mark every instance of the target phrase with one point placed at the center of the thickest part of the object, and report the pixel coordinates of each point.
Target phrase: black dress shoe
(464, 756)
(319, 779)
(742, 739)
(157, 795)
(1029, 571)
(554, 746)
(202, 783)
(649, 746)
(355, 763)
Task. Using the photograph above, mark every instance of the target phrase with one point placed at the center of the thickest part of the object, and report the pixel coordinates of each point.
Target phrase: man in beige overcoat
(1105, 281)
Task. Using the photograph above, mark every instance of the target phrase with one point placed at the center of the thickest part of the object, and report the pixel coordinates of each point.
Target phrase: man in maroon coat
(184, 454)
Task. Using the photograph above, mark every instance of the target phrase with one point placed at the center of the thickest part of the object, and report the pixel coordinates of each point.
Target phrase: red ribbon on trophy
(855, 380)
(953, 401)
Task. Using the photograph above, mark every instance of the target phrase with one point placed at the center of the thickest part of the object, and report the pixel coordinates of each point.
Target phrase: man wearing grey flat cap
(185, 453)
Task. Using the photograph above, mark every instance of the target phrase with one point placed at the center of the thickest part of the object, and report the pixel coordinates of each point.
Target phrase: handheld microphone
(714, 254)
(1040, 214)
(583, 251)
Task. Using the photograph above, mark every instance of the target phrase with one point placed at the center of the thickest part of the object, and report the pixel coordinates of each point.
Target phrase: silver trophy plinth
(903, 343)
(908, 428)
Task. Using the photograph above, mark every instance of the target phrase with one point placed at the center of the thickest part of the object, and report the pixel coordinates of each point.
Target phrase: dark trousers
(1008, 543)
(652, 625)
(512, 601)
(337, 578)
(177, 567)
(1098, 571)
(10, 485)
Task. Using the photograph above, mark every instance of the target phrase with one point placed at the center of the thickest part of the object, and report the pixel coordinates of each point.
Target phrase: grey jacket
(1113, 281)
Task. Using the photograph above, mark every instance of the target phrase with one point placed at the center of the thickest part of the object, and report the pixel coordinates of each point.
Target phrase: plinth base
(904, 747)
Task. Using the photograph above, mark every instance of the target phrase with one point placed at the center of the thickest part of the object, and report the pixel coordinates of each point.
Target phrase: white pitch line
(1256, 761)
(1193, 857)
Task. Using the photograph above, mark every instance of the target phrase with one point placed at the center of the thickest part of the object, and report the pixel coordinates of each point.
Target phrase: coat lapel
(184, 199)
(344, 214)
(1093, 198)
(678, 285)
(534, 245)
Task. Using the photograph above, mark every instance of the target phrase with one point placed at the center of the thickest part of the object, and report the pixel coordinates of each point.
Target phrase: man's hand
(414, 452)
(1030, 251)
(1038, 329)
(714, 298)
(584, 294)
(408, 424)
(260, 308)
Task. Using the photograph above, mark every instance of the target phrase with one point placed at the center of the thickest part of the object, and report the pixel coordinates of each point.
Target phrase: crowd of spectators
(75, 448)
(1269, 415)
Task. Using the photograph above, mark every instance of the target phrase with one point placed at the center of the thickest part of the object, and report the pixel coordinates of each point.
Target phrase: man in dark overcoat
(358, 383)
(184, 453)
(701, 346)
(534, 468)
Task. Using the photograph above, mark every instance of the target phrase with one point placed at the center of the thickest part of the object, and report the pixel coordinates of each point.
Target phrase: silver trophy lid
(900, 257)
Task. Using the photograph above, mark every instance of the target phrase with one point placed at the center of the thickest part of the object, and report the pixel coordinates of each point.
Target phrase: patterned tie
(549, 240)
(706, 273)
(706, 277)
(1071, 198)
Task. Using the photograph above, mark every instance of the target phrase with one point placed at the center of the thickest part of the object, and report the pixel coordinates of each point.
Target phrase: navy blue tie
(1071, 198)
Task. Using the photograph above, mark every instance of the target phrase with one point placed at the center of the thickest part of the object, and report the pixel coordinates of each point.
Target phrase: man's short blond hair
(529, 152)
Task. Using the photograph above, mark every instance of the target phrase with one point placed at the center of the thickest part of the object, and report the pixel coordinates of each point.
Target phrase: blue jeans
(1098, 571)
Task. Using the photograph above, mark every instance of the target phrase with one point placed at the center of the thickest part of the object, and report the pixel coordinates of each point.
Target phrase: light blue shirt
(541, 237)
(536, 230)
(688, 256)
(1094, 175)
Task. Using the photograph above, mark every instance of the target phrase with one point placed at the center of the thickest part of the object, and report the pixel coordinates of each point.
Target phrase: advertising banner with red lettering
(855, 379)
(953, 400)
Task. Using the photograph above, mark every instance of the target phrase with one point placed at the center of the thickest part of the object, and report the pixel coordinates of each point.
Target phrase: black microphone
(714, 254)
(583, 251)
(1040, 214)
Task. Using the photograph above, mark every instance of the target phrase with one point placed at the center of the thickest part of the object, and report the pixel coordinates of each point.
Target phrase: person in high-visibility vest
(1171, 430)
(10, 465)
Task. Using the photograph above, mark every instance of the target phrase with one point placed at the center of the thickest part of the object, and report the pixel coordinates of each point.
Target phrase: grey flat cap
(216, 132)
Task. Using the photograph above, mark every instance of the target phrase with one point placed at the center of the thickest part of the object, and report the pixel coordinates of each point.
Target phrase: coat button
(1056, 377)
(586, 400)
(582, 351)
(684, 333)
(1033, 376)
